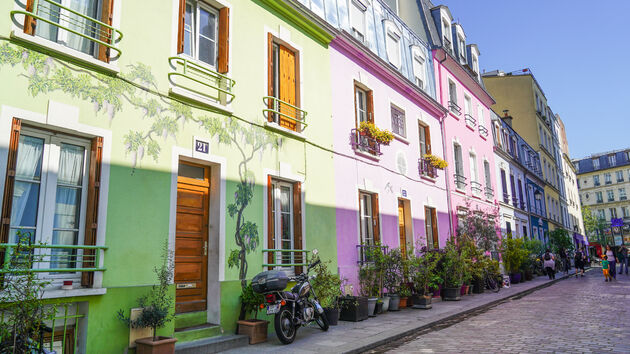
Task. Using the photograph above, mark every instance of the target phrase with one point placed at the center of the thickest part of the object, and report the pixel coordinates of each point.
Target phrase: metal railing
(58, 258)
(470, 120)
(489, 193)
(364, 253)
(476, 187)
(623, 198)
(365, 143)
(483, 130)
(506, 198)
(426, 168)
(523, 207)
(460, 181)
(448, 45)
(515, 202)
(285, 114)
(202, 75)
(97, 31)
(453, 107)
(285, 258)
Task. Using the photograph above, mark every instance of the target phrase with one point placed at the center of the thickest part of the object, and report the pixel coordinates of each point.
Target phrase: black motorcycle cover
(272, 280)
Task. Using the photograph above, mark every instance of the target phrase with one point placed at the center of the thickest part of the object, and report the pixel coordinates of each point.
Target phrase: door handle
(205, 248)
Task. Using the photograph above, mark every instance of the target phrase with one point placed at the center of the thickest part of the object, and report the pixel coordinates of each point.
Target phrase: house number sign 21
(202, 146)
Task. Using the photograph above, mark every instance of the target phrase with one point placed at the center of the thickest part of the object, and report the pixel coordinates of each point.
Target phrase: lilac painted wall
(354, 171)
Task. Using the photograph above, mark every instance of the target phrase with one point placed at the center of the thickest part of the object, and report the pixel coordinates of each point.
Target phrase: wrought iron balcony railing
(523, 207)
(365, 143)
(217, 83)
(460, 181)
(506, 198)
(453, 107)
(489, 193)
(483, 131)
(515, 202)
(476, 188)
(281, 258)
(470, 120)
(72, 21)
(285, 114)
(448, 45)
(54, 258)
(426, 168)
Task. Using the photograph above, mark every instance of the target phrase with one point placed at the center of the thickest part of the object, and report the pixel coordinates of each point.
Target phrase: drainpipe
(449, 202)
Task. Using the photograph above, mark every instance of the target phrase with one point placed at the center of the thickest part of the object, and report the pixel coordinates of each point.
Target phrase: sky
(578, 50)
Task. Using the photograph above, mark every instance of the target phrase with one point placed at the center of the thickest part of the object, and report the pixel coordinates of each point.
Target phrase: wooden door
(401, 227)
(191, 243)
(287, 86)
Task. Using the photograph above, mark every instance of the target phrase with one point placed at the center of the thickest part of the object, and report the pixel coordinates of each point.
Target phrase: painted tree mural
(164, 115)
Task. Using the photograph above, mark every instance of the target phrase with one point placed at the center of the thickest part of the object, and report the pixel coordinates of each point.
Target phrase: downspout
(449, 202)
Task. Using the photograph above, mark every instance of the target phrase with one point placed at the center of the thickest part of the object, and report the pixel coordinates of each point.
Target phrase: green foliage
(21, 306)
(423, 270)
(251, 300)
(480, 226)
(156, 305)
(327, 286)
(371, 274)
(452, 265)
(393, 268)
(593, 225)
(560, 239)
(513, 253)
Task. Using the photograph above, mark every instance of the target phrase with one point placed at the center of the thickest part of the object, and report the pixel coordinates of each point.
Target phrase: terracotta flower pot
(164, 345)
(403, 302)
(256, 330)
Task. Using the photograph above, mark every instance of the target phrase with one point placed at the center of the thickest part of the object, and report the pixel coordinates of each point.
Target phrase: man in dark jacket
(622, 255)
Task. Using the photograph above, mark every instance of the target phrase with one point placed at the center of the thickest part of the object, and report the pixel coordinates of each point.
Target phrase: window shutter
(370, 106)
(224, 40)
(180, 26)
(106, 34)
(9, 181)
(270, 74)
(427, 138)
(436, 238)
(375, 218)
(29, 22)
(297, 224)
(91, 219)
(270, 222)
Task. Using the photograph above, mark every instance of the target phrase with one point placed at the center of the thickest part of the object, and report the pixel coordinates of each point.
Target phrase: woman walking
(550, 264)
(612, 262)
(579, 262)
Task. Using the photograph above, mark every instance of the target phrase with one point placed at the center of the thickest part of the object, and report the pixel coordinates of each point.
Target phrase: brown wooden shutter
(427, 138)
(91, 214)
(29, 22)
(106, 34)
(297, 224)
(356, 118)
(9, 181)
(370, 106)
(436, 238)
(270, 74)
(270, 221)
(180, 26)
(375, 218)
(224, 40)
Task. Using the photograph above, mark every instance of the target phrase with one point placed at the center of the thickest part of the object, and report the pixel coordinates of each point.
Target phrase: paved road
(585, 315)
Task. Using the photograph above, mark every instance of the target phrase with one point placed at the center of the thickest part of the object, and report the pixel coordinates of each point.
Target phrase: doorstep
(212, 345)
(189, 334)
(355, 337)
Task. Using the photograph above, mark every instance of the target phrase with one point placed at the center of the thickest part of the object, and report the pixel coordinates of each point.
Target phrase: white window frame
(393, 43)
(364, 239)
(419, 66)
(358, 33)
(194, 46)
(358, 102)
(277, 220)
(404, 124)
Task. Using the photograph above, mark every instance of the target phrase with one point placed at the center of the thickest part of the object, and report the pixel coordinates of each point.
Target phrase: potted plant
(513, 254)
(254, 328)
(368, 280)
(452, 272)
(156, 310)
(405, 294)
(435, 161)
(425, 277)
(382, 136)
(327, 287)
(393, 277)
(353, 308)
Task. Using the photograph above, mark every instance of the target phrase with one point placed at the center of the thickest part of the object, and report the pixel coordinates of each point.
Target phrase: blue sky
(578, 50)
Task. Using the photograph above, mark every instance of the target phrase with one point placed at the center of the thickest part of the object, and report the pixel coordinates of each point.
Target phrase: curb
(411, 331)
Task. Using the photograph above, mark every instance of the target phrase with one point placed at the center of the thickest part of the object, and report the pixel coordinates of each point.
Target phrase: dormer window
(446, 35)
(419, 66)
(392, 43)
(462, 48)
(357, 19)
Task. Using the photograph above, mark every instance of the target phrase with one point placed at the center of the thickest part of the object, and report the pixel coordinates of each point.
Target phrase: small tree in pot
(254, 328)
(423, 270)
(393, 277)
(513, 254)
(156, 309)
(327, 287)
(452, 271)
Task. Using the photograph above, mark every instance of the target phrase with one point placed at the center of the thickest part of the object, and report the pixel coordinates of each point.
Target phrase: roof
(585, 165)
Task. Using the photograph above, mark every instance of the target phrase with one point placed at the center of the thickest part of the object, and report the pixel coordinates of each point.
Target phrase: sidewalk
(354, 337)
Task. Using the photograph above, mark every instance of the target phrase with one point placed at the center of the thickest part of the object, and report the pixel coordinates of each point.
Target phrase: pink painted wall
(354, 172)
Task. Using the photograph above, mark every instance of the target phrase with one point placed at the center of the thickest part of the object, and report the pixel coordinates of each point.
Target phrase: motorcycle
(291, 309)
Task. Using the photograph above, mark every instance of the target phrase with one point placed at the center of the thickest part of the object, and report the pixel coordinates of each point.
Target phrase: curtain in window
(72, 21)
(26, 189)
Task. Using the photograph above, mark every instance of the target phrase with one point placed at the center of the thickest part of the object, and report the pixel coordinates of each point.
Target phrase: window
(357, 19)
(446, 35)
(611, 195)
(392, 44)
(524, 231)
(486, 169)
(459, 167)
(201, 29)
(520, 193)
(285, 226)
(619, 176)
(508, 228)
(480, 117)
(398, 121)
(425, 139)
(612, 160)
(595, 163)
(626, 212)
(283, 81)
(607, 178)
(368, 209)
(599, 197)
(622, 194)
(473, 168)
(596, 180)
(470, 121)
(87, 25)
(430, 217)
(462, 48)
(452, 95)
(504, 187)
(363, 104)
(613, 213)
(602, 214)
(49, 186)
(419, 70)
(475, 65)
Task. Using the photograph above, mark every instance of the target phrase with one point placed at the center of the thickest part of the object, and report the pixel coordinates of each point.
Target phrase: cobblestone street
(574, 315)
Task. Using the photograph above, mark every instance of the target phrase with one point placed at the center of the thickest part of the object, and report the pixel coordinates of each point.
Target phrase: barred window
(398, 121)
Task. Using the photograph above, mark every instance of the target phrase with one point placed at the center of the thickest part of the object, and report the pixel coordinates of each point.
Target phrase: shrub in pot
(156, 311)
(371, 276)
(452, 272)
(425, 277)
(327, 288)
(393, 277)
(405, 295)
(254, 328)
(353, 308)
(513, 254)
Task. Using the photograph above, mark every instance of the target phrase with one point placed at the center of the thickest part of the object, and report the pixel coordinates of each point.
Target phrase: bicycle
(491, 283)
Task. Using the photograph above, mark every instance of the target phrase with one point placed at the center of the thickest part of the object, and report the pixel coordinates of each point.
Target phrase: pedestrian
(550, 264)
(622, 256)
(579, 262)
(605, 266)
(610, 256)
(564, 257)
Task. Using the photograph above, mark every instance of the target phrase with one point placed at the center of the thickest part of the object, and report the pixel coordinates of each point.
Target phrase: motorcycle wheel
(322, 321)
(285, 328)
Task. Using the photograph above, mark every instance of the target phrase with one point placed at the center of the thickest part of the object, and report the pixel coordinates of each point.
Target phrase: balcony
(454, 108)
(506, 198)
(483, 131)
(201, 80)
(476, 188)
(522, 204)
(489, 193)
(365, 143)
(460, 181)
(515, 202)
(599, 201)
(52, 258)
(597, 183)
(623, 197)
(366, 253)
(448, 45)
(284, 114)
(71, 21)
(426, 168)
(470, 121)
(611, 199)
(293, 260)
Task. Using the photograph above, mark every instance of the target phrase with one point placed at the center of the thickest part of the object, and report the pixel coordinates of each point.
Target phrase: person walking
(605, 266)
(579, 262)
(564, 257)
(622, 256)
(550, 264)
(611, 258)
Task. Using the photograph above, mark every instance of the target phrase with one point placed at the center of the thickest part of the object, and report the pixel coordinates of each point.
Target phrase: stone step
(189, 334)
(190, 319)
(212, 345)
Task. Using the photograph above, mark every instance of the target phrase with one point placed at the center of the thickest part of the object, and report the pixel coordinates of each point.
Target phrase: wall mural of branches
(165, 117)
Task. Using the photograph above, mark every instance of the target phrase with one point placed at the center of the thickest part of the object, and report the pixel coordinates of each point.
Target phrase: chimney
(506, 118)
